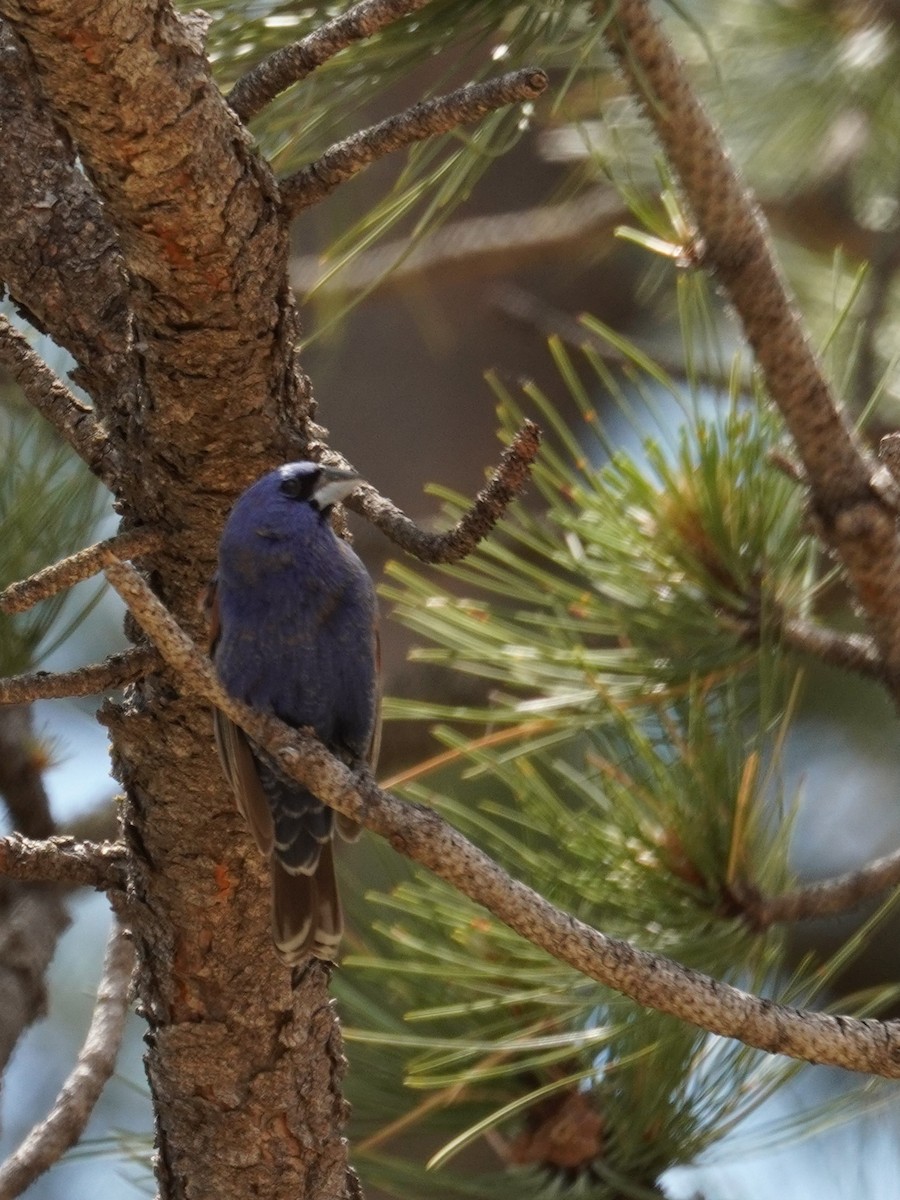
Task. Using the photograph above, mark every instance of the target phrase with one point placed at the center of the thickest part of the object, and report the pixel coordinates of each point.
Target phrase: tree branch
(287, 66)
(506, 483)
(88, 562)
(66, 1121)
(850, 651)
(427, 119)
(854, 498)
(825, 898)
(419, 833)
(72, 419)
(101, 866)
(113, 672)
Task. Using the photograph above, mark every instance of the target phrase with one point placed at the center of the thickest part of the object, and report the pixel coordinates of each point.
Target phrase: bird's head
(311, 483)
(284, 505)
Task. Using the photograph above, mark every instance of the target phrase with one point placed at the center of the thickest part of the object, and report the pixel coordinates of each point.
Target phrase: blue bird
(293, 632)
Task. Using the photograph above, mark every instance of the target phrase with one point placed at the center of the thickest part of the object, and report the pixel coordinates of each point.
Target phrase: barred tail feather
(306, 911)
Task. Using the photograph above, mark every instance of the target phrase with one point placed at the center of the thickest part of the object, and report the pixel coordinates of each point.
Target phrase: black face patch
(300, 486)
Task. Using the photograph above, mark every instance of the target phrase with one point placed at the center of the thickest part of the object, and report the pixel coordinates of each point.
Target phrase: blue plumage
(293, 633)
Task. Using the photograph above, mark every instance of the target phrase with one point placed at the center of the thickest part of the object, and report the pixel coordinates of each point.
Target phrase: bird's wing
(375, 741)
(237, 758)
(347, 827)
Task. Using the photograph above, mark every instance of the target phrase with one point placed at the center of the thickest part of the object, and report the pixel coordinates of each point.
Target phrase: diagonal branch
(72, 419)
(427, 119)
(419, 833)
(65, 1123)
(99, 865)
(853, 497)
(825, 898)
(287, 66)
(114, 672)
(506, 483)
(88, 562)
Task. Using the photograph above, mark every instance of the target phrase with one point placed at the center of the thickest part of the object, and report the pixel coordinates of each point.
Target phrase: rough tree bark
(164, 272)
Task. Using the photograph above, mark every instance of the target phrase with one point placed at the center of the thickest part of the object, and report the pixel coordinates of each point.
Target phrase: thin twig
(23, 595)
(506, 483)
(72, 419)
(113, 672)
(287, 66)
(854, 498)
(63, 1126)
(427, 119)
(825, 898)
(419, 833)
(99, 865)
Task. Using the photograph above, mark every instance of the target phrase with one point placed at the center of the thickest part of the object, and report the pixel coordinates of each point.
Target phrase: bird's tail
(306, 910)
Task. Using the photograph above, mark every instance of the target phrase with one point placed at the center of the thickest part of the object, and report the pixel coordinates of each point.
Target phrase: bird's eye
(299, 487)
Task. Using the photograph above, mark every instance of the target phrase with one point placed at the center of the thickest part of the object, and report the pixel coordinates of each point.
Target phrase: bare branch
(825, 898)
(419, 833)
(854, 498)
(506, 483)
(73, 420)
(113, 672)
(64, 860)
(852, 651)
(427, 119)
(65, 1123)
(287, 66)
(23, 595)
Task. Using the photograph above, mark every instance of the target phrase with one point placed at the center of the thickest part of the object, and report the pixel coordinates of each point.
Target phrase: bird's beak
(334, 485)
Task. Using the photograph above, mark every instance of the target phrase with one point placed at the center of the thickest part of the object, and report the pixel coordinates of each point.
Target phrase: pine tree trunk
(163, 269)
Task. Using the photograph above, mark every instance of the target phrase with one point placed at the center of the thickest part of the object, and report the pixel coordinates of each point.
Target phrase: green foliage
(49, 507)
(626, 764)
(446, 44)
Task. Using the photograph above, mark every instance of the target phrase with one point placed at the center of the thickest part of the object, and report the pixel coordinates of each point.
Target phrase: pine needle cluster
(626, 763)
